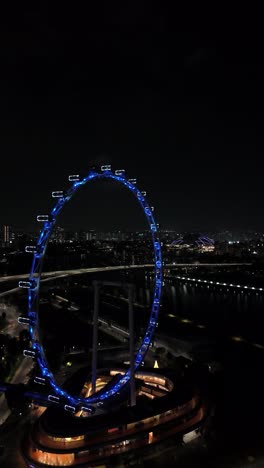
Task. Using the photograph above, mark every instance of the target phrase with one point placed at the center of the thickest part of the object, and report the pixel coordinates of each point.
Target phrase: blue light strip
(35, 276)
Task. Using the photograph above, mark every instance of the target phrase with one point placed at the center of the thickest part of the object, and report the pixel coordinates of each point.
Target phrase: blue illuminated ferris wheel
(33, 284)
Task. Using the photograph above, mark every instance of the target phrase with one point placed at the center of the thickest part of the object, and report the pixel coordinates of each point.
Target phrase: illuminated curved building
(194, 242)
(168, 405)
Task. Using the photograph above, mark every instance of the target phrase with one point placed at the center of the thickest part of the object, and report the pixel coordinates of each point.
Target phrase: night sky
(175, 99)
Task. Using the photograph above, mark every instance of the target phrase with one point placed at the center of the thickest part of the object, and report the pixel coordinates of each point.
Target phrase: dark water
(198, 310)
(186, 309)
(221, 310)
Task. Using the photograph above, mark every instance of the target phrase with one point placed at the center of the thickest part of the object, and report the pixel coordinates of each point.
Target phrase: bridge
(52, 275)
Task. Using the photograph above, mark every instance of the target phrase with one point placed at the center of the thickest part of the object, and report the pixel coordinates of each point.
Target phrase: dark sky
(174, 97)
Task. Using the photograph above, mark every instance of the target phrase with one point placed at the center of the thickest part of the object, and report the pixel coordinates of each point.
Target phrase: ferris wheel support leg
(95, 333)
(131, 345)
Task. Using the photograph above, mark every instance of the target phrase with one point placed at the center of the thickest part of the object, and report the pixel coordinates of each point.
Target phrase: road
(49, 276)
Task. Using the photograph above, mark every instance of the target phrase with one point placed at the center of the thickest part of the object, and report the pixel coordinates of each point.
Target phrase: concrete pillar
(148, 296)
(96, 285)
(131, 345)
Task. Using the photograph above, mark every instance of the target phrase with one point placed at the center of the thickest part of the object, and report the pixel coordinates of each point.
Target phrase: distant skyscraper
(90, 235)
(7, 235)
(58, 234)
(87, 235)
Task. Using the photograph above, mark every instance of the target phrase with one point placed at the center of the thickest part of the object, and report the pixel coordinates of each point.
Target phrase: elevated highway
(51, 275)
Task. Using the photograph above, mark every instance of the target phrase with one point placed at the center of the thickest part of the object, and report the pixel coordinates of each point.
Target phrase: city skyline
(9, 230)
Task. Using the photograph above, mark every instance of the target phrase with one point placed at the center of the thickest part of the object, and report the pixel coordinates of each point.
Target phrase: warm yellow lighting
(156, 366)
(237, 338)
(185, 320)
(53, 459)
(150, 438)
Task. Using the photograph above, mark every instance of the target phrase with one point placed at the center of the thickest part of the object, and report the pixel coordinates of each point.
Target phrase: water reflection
(236, 311)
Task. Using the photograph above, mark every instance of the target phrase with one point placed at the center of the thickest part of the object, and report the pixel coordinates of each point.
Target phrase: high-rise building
(87, 235)
(58, 235)
(7, 235)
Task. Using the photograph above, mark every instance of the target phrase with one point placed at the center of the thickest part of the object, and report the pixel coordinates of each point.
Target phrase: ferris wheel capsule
(53, 398)
(88, 409)
(44, 218)
(74, 178)
(120, 172)
(31, 284)
(31, 249)
(106, 167)
(58, 194)
(70, 408)
(40, 380)
(132, 181)
(23, 320)
(29, 353)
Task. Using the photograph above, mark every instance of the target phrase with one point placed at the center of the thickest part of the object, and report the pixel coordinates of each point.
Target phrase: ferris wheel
(33, 285)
